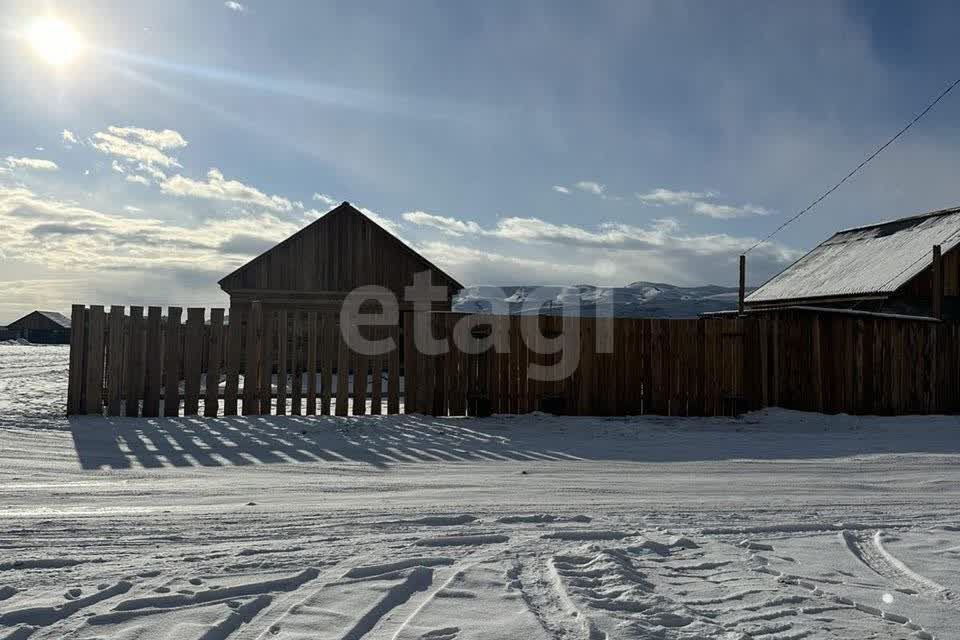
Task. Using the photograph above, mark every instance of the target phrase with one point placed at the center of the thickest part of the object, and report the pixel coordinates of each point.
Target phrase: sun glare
(54, 40)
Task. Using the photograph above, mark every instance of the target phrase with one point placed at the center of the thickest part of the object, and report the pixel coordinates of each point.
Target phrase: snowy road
(780, 525)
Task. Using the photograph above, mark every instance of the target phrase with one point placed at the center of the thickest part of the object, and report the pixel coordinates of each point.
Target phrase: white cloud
(388, 224)
(112, 144)
(165, 139)
(31, 163)
(663, 235)
(136, 179)
(325, 199)
(560, 189)
(217, 187)
(235, 6)
(132, 209)
(659, 197)
(698, 202)
(153, 172)
(116, 166)
(449, 226)
(68, 136)
(726, 212)
(592, 187)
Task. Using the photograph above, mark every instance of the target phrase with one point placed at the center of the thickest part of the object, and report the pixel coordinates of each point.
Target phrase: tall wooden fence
(297, 362)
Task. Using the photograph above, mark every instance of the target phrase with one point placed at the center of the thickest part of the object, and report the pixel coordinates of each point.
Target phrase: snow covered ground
(779, 525)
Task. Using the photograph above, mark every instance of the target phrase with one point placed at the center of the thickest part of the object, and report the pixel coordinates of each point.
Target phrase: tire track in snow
(878, 559)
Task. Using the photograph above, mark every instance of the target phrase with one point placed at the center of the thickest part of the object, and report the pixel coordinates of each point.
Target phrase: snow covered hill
(636, 300)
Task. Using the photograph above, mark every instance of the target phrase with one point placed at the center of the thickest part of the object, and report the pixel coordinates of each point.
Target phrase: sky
(510, 142)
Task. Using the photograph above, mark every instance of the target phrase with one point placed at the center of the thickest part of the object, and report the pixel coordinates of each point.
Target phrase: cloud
(71, 237)
(235, 6)
(166, 139)
(217, 187)
(134, 150)
(246, 244)
(449, 226)
(560, 189)
(661, 233)
(69, 137)
(698, 201)
(31, 163)
(592, 187)
(116, 166)
(390, 225)
(153, 172)
(726, 212)
(136, 179)
(325, 199)
(659, 197)
(132, 209)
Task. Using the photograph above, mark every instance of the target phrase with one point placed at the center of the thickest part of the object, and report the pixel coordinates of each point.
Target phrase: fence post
(937, 283)
(75, 382)
(251, 404)
(743, 284)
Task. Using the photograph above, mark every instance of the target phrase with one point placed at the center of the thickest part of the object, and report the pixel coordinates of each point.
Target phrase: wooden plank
(438, 398)
(171, 363)
(251, 388)
(297, 364)
(115, 361)
(361, 365)
(502, 350)
(231, 384)
(192, 352)
(96, 324)
(585, 405)
(211, 402)
(328, 359)
(376, 376)
(393, 371)
(343, 374)
(283, 360)
(153, 363)
(817, 368)
(75, 375)
(312, 363)
(409, 364)
(134, 338)
(266, 356)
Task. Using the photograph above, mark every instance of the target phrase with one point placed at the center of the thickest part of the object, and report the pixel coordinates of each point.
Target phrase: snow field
(777, 526)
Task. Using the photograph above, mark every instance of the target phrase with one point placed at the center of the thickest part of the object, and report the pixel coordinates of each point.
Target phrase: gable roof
(53, 316)
(318, 226)
(872, 260)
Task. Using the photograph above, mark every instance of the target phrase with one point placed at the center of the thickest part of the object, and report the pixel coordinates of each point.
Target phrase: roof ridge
(916, 216)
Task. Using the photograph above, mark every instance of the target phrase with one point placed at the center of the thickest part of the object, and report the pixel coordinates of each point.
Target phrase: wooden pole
(937, 283)
(743, 283)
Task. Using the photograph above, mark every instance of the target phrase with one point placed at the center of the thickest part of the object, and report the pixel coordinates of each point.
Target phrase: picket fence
(292, 361)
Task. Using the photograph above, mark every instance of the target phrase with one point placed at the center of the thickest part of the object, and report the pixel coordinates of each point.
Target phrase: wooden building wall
(320, 264)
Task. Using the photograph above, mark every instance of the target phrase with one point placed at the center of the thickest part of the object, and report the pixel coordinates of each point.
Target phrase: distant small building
(319, 265)
(885, 267)
(44, 327)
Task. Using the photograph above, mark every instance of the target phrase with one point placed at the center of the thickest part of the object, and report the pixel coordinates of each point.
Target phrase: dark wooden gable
(337, 253)
(40, 321)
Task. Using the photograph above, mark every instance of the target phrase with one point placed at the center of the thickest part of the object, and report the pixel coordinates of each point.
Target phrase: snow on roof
(59, 318)
(870, 260)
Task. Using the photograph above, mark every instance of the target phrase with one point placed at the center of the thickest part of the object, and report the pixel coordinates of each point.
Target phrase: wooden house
(44, 327)
(319, 265)
(908, 266)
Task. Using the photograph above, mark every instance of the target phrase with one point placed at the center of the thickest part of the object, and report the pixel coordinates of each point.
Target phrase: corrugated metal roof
(871, 260)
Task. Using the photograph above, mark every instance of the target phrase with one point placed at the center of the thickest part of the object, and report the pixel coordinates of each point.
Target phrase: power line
(873, 155)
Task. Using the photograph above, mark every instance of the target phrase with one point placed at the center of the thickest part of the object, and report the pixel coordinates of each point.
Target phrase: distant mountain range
(636, 300)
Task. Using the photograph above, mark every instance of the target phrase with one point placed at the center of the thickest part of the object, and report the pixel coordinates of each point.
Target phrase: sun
(54, 40)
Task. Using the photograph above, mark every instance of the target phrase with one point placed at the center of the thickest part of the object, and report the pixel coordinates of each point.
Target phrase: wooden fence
(290, 362)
